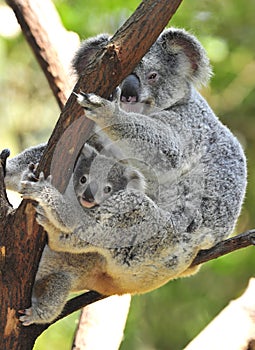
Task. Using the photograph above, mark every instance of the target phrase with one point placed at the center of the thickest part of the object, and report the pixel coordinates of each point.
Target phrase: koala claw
(92, 103)
(27, 317)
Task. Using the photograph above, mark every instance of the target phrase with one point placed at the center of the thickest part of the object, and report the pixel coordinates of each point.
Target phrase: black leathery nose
(130, 89)
(90, 192)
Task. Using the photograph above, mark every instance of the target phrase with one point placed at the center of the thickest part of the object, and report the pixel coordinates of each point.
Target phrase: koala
(97, 177)
(96, 180)
(195, 172)
(160, 119)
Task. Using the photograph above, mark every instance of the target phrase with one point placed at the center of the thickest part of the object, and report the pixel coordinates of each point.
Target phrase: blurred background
(171, 316)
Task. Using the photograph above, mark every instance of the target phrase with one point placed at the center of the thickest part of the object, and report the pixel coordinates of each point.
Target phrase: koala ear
(135, 179)
(88, 50)
(192, 56)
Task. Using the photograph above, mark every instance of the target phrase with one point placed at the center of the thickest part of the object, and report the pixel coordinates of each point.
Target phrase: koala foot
(96, 107)
(27, 316)
(35, 314)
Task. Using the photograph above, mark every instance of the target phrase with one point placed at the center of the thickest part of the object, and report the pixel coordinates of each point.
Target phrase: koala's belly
(123, 279)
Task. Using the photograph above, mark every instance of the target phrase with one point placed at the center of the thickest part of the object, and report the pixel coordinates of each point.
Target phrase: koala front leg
(18, 164)
(53, 232)
(56, 207)
(48, 299)
(138, 135)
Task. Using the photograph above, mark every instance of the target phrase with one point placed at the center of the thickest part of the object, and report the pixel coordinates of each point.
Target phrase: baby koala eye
(107, 189)
(83, 179)
(152, 77)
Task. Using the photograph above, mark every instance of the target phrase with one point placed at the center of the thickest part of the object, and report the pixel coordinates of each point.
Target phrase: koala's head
(97, 177)
(164, 75)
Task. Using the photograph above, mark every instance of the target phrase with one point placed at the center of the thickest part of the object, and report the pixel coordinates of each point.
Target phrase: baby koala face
(97, 177)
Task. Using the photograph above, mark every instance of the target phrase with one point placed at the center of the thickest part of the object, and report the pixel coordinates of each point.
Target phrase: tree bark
(21, 240)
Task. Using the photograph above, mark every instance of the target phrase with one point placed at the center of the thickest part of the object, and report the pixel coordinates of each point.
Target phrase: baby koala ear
(88, 50)
(188, 53)
(135, 179)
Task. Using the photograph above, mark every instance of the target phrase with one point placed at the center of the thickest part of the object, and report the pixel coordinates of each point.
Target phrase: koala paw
(97, 108)
(33, 190)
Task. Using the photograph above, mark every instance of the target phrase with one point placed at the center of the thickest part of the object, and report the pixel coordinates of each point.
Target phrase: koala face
(164, 75)
(97, 177)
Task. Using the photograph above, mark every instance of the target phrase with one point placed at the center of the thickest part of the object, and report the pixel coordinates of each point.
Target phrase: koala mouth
(87, 204)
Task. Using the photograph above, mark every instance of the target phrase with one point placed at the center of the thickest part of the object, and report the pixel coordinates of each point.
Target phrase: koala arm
(53, 206)
(121, 220)
(139, 134)
(16, 166)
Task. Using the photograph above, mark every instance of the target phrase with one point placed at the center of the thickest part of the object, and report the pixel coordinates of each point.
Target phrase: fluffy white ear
(135, 179)
(192, 55)
(88, 50)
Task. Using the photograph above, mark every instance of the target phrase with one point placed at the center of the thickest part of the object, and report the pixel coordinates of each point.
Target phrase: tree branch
(242, 240)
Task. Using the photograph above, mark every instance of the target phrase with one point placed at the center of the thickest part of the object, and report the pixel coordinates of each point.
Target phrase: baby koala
(95, 179)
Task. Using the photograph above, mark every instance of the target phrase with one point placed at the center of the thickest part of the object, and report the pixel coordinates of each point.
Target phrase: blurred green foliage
(168, 318)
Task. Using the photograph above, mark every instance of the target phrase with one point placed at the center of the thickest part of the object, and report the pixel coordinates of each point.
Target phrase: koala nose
(130, 89)
(90, 192)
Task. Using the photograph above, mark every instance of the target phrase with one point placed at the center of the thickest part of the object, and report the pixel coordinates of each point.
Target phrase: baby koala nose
(90, 192)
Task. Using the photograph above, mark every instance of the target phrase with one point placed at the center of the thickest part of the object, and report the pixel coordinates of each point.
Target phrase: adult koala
(195, 168)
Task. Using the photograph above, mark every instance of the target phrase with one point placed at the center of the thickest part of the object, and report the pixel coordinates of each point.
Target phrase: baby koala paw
(32, 188)
(97, 108)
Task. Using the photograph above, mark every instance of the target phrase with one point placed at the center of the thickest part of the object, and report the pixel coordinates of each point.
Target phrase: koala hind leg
(49, 297)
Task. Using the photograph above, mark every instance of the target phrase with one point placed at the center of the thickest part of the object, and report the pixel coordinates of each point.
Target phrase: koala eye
(152, 77)
(83, 179)
(107, 189)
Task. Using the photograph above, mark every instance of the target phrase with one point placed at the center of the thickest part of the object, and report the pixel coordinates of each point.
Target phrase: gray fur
(71, 214)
